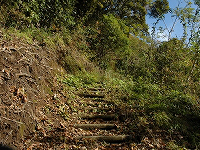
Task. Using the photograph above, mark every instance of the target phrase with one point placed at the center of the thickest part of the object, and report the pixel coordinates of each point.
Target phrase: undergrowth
(170, 110)
(136, 79)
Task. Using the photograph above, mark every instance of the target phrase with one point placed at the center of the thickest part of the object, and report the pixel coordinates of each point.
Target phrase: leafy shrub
(80, 80)
(136, 61)
(113, 35)
(171, 62)
(42, 13)
(162, 119)
(108, 38)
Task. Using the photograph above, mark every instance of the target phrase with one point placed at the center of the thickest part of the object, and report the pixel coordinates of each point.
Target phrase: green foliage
(133, 13)
(164, 63)
(165, 107)
(189, 18)
(174, 103)
(51, 12)
(197, 2)
(42, 13)
(89, 11)
(162, 119)
(109, 39)
(69, 62)
(11, 14)
(135, 62)
(173, 146)
(159, 8)
(80, 80)
(113, 35)
(169, 60)
(89, 79)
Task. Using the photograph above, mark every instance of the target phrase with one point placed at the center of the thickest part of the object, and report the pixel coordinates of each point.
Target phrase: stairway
(101, 121)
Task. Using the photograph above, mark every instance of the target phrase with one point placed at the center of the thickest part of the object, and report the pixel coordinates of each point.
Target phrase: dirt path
(100, 126)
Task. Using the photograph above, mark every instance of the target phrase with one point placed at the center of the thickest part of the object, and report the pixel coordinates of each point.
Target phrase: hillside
(89, 75)
(38, 110)
(28, 80)
(28, 86)
(41, 103)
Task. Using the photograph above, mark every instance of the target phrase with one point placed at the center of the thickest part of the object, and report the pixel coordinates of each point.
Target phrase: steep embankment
(27, 73)
(28, 83)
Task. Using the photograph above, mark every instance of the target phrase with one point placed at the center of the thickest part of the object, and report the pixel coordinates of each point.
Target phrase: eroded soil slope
(27, 82)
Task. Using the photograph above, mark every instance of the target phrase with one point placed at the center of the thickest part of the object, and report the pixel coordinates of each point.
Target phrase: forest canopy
(48, 13)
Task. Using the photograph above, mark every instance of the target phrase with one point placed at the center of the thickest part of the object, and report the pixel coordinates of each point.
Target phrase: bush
(108, 39)
(136, 61)
(171, 61)
(42, 13)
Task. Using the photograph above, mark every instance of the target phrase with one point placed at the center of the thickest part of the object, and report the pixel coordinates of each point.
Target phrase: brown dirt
(27, 84)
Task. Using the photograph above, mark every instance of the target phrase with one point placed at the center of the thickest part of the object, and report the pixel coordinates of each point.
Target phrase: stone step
(104, 117)
(110, 139)
(96, 126)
